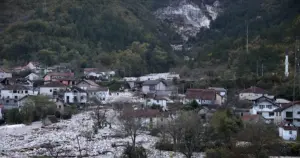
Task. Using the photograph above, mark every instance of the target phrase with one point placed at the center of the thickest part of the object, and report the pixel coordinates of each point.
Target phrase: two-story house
(5, 73)
(288, 113)
(94, 90)
(265, 107)
(75, 95)
(253, 93)
(32, 76)
(16, 92)
(201, 96)
(52, 88)
(154, 86)
(67, 78)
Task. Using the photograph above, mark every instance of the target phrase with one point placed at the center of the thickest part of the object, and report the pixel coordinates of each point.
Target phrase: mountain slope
(55, 31)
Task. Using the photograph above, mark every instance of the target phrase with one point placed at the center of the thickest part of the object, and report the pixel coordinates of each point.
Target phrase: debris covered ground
(61, 139)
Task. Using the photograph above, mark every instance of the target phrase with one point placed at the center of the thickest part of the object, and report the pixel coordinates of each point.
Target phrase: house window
(271, 113)
(26, 92)
(15, 101)
(290, 132)
(81, 97)
(7, 101)
(289, 114)
(269, 106)
(59, 106)
(50, 90)
(298, 112)
(261, 106)
(157, 101)
(16, 97)
(14, 91)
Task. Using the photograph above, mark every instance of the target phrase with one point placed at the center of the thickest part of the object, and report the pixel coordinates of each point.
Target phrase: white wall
(150, 102)
(5, 75)
(296, 114)
(265, 111)
(287, 134)
(81, 97)
(32, 77)
(17, 95)
(48, 91)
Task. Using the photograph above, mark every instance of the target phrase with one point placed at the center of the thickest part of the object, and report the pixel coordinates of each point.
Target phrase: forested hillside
(116, 34)
(125, 35)
(273, 26)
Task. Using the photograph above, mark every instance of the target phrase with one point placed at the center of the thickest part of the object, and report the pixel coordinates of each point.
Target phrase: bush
(164, 146)
(66, 115)
(57, 114)
(13, 116)
(139, 152)
(219, 152)
(154, 132)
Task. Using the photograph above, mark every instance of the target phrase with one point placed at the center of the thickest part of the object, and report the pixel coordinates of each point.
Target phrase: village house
(16, 92)
(65, 78)
(34, 67)
(241, 111)
(87, 84)
(75, 95)
(152, 99)
(5, 73)
(52, 88)
(265, 107)
(289, 113)
(94, 90)
(222, 92)
(201, 96)
(253, 93)
(154, 86)
(24, 82)
(287, 131)
(33, 76)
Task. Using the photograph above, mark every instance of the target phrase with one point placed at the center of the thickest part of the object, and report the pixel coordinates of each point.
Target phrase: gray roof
(77, 89)
(152, 82)
(54, 84)
(219, 89)
(15, 87)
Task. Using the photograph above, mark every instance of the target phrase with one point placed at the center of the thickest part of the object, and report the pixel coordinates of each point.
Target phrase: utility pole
(256, 68)
(262, 69)
(247, 35)
(295, 71)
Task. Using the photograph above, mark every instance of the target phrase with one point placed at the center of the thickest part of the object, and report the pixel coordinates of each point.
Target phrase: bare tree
(256, 139)
(131, 124)
(187, 133)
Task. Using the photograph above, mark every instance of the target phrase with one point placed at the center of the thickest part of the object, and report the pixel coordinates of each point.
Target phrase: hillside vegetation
(125, 35)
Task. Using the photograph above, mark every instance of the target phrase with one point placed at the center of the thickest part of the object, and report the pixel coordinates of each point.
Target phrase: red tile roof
(205, 94)
(287, 126)
(250, 118)
(255, 90)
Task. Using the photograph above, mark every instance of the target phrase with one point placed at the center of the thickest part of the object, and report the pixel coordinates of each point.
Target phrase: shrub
(154, 132)
(164, 146)
(139, 152)
(219, 152)
(13, 116)
(57, 114)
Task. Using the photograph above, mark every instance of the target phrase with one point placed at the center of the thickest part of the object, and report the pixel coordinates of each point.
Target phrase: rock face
(187, 18)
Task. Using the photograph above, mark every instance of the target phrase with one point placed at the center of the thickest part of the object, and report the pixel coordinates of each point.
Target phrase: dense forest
(125, 35)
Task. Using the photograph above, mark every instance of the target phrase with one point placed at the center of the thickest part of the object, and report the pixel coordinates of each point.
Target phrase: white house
(201, 96)
(289, 113)
(253, 93)
(156, 100)
(287, 131)
(100, 93)
(51, 88)
(75, 95)
(153, 86)
(265, 107)
(33, 76)
(16, 92)
(87, 84)
(5, 74)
